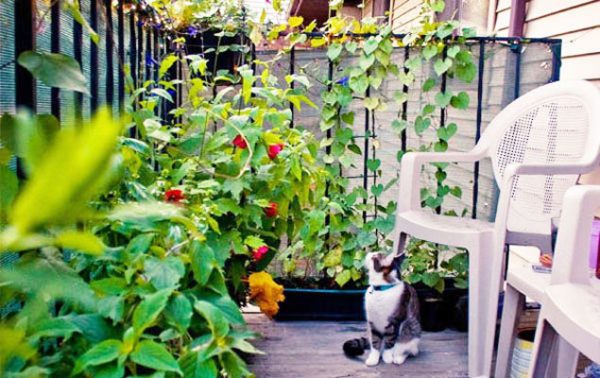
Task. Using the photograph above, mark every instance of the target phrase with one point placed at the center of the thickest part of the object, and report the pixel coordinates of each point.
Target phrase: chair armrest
(515, 169)
(573, 241)
(409, 198)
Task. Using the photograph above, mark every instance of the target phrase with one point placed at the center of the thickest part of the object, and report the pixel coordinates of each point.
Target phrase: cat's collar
(382, 287)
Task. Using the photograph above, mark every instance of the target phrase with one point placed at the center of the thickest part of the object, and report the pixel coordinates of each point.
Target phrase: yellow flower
(265, 293)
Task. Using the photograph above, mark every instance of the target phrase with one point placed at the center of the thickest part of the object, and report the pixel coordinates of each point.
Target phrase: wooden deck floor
(313, 349)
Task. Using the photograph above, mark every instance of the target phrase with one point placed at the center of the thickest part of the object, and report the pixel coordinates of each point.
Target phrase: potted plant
(440, 275)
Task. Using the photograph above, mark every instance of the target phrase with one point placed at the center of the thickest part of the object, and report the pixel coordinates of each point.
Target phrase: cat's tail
(356, 347)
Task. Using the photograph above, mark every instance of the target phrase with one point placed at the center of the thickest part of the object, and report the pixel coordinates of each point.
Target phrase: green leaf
(166, 64)
(216, 320)
(366, 61)
(63, 183)
(164, 273)
(460, 101)
(371, 45)
(54, 70)
(371, 102)
(359, 84)
(428, 109)
(234, 365)
(56, 327)
(74, 8)
(443, 99)
(179, 312)
(196, 366)
(228, 307)
(440, 146)
(155, 356)
(452, 51)
(440, 66)
(447, 132)
(399, 125)
(373, 164)
(112, 307)
(456, 191)
(162, 93)
(110, 371)
(466, 72)
(9, 185)
(428, 84)
(438, 6)
(421, 124)
(430, 51)
(348, 118)
(334, 50)
(109, 286)
(85, 242)
(377, 190)
(203, 261)
(147, 312)
(102, 353)
(342, 278)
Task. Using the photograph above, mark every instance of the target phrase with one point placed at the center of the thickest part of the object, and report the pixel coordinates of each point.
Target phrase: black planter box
(438, 311)
(317, 304)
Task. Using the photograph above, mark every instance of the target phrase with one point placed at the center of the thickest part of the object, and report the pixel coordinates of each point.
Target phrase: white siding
(576, 22)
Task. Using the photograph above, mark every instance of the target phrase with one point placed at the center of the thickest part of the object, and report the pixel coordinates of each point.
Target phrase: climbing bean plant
(363, 52)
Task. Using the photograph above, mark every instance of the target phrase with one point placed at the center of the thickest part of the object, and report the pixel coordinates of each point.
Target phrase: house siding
(576, 22)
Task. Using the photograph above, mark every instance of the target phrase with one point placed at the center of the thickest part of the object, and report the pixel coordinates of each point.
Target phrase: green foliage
(54, 70)
(135, 250)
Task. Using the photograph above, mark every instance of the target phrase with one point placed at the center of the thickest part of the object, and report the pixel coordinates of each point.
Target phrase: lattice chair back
(556, 124)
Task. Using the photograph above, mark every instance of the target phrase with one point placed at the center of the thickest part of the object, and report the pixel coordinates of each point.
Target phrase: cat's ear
(376, 263)
(398, 260)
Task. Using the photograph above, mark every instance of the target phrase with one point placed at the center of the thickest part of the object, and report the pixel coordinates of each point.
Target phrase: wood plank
(583, 17)
(581, 67)
(581, 42)
(314, 349)
(541, 8)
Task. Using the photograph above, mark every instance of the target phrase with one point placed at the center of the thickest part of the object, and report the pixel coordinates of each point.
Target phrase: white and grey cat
(392, 309)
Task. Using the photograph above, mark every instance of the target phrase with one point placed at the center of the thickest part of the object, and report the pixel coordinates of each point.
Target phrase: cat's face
(381, 268)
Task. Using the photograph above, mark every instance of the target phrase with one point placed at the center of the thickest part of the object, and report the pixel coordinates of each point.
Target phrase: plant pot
(443, 310)
(318, 304)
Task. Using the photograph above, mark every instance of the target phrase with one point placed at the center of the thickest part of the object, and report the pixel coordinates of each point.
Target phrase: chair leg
(566, 358)
(484, 286)
(545, 336)
(511, 311)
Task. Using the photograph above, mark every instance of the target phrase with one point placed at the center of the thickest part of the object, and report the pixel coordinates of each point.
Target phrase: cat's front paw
(388, 356)
(399, 359)
(373, 358)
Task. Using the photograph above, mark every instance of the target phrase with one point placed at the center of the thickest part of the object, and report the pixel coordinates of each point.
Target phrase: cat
(392, 309)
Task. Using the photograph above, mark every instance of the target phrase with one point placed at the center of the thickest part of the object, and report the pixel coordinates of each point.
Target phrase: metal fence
(34, 25)
(506, 68)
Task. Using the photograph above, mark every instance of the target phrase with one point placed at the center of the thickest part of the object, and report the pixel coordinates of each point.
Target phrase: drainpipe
(380, 7)
(517, 18)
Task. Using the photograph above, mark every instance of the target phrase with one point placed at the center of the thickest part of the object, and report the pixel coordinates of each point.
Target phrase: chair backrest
(558, 123)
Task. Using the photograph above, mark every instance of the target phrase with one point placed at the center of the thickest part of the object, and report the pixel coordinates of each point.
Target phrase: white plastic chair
(538, 145)
(570, 310)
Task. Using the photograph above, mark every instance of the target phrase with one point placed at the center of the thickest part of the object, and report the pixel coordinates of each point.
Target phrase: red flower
(240, 142)
(174, 195)
(274, 150)
(271, 210)
(260, 252)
